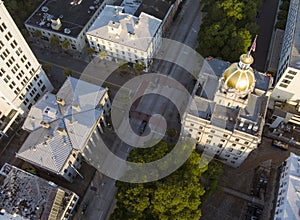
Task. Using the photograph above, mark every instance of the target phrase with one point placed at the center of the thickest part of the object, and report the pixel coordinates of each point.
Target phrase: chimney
(61, 131)
(45, 124)
(60, 101)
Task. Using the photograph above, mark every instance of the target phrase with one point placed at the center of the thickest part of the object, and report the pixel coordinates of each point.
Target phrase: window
(283, 85)
(225, 135)
(2, 71)
(292, 72)
(289, 77)
(43, 88)
(4, 26)
(286, 81)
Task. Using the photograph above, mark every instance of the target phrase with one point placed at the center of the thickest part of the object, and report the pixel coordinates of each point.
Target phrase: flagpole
(253, 46)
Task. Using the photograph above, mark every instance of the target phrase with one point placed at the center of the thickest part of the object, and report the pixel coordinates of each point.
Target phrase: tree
(54, 41)
(67, 72)
(177, 196)
(90, 51)
(47, 68)
(37, 34)
(228, 28)
(102, 54)
(171, 132)
(139, 66)
(65, 44)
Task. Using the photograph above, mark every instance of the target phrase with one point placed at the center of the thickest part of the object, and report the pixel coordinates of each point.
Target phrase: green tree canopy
(54, 41)
(228, 28)
(177, 196)
(65, 44)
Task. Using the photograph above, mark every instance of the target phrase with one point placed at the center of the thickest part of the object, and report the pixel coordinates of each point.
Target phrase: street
(178, 62)
(265, 20)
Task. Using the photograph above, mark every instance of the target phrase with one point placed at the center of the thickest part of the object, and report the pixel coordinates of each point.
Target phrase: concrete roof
(291, 201)
(122, 28)
(49, 147)
(26, 196)
(73, 16)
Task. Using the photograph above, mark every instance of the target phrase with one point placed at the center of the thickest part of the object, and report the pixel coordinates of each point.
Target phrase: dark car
(280, 145)
(142, 127)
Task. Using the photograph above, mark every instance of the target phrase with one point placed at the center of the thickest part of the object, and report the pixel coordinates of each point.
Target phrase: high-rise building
(229, 108)
(22, 79)
(289, 56)
(287, 203)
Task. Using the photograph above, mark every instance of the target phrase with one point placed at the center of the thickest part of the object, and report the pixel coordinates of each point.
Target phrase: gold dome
(235, 77)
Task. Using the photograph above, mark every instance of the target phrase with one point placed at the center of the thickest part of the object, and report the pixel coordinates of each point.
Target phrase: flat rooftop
(73, 14)
(26, 196)
(156, 8)
(295, 55)
(120, 27)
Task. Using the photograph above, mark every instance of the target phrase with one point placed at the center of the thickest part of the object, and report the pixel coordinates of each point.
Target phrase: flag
(253, 46)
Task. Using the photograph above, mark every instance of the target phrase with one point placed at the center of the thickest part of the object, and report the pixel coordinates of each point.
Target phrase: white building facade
(228, 116)
(22, 79)
(63, 126)
(123, 36)
(288, 202)
(66, 20)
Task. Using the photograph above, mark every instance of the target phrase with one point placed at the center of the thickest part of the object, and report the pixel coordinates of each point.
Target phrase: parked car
(142, 127)
(280, 144)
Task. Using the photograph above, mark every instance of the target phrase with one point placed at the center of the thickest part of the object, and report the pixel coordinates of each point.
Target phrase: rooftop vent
(60, 101)
(116, 12)
(50, 112)
(76, 107)
(45, 9)
(67, 31)
(56, 24)
(45, 124)
(61, 131)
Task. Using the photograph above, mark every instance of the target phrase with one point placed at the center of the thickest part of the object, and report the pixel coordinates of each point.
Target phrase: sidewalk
(99, 199)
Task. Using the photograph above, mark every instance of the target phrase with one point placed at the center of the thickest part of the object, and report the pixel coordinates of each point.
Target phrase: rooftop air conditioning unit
(56, 24)
(45, 124)
(60, 101)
